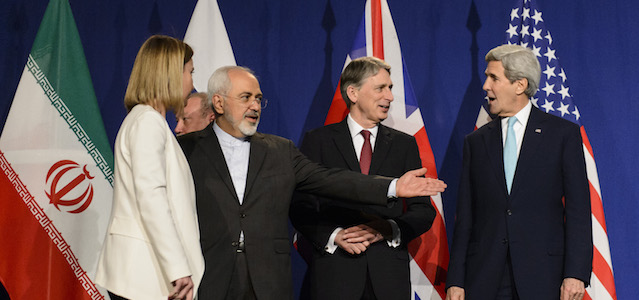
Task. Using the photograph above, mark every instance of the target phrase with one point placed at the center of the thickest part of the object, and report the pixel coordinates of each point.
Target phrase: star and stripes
(528, 28)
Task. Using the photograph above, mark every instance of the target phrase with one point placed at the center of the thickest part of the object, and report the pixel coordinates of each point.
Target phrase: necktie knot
(366, 134)
(511, 122)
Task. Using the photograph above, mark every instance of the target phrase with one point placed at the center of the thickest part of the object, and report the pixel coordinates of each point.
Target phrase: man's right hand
(352, 248)
(411, 184)
(455, 293)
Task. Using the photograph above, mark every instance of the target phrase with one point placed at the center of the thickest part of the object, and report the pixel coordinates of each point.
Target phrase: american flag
(376, 36)
(527, 28)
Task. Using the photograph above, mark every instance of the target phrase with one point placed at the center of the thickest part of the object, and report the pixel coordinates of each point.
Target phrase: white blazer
(153, 236)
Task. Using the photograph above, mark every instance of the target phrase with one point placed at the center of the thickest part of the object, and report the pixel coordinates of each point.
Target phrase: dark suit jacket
(276, 168)
(341, 275)
(548, 241)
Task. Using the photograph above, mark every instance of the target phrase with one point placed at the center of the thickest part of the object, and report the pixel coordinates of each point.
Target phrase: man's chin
(248, 129)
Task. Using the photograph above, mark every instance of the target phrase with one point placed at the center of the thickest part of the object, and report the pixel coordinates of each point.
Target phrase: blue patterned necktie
(510, 153)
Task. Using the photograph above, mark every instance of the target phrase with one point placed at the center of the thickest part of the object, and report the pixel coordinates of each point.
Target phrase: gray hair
(518, 62)
(220, 83)
(359, 70)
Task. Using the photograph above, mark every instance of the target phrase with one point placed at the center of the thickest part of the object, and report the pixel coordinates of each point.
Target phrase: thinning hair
(357, 71)
(156, 77)
(206, 105)
(518, 62)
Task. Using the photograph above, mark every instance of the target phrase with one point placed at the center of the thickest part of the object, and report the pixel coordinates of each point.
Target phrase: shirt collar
(522, 116)
(355, 128)
(224, 138)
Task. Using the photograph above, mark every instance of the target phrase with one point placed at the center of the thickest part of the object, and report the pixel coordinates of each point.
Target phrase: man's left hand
(572, 289)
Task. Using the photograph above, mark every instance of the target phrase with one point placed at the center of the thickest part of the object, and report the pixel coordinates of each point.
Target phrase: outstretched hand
(412, 184)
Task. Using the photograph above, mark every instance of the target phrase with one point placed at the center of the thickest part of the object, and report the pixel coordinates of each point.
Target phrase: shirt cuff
(397, 237)
(330, 245)
(392, 189)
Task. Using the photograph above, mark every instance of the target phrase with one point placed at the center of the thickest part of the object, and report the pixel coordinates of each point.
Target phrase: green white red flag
(55, 171)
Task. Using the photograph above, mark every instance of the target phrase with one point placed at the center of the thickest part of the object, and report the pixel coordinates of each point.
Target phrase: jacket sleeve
(578, 222)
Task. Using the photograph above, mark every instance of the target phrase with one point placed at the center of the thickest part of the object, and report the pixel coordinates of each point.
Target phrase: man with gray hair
(523, 223)
(360, 251)
(244, 181)
(197, 114)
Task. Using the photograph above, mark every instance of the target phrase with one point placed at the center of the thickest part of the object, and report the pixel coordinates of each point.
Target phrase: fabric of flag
(527, 28)
(376, 36)
(56, 171)
(206, 34)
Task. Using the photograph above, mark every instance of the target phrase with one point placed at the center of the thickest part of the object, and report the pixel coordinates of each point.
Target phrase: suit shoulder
(396, 134)
(189, 141)
(272, 139)
(493, 124)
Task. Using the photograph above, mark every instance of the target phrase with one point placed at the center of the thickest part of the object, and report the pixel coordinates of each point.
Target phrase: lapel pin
(538, 130)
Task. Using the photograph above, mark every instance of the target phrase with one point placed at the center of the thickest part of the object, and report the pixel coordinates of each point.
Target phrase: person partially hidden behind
(360, 251)
(196, 115)
(523, 224)
(244, 181)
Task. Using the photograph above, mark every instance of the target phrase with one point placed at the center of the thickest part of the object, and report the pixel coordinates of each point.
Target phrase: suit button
(242, 215)
(234, 244)
(504, 241)
(509, 212)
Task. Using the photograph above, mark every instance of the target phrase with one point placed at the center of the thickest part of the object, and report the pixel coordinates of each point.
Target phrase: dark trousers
(241, 286)
(507, 289)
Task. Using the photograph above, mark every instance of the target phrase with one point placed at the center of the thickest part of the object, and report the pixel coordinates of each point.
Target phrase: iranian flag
(55, 171)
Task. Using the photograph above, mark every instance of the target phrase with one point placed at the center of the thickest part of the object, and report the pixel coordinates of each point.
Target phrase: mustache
(252, 113)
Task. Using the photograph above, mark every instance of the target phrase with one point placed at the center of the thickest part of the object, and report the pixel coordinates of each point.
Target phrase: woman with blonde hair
(152, 248)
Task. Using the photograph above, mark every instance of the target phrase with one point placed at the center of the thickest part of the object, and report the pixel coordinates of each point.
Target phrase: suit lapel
(495, 150)
(213, 151)
(257, 157)
(382, 146)
(529, 146)
(344, 143)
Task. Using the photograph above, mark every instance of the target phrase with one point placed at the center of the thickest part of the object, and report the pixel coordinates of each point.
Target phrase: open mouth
(252, 118)
(384, 107)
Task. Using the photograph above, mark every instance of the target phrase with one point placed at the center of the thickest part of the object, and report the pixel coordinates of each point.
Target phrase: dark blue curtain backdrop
(298, 48)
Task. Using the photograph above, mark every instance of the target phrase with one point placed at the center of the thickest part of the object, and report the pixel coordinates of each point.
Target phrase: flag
(56, 171)
(206, 34)
(527, 28)
(376, 36)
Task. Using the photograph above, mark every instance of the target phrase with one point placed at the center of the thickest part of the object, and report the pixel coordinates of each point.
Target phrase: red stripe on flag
(430, 251)
(601, 268)
(586, 142)
(426, 153)
(338, 110)
(587, 297)
(31, 265)
(377, 31)
(596, 206)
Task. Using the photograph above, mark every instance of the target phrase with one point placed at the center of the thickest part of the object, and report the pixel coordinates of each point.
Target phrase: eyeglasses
(246, 100)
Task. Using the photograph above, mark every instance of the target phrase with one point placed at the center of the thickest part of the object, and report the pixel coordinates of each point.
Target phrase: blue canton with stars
(527, 28)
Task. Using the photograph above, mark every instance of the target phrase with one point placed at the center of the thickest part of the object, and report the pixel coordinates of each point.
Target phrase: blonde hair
(156, 77)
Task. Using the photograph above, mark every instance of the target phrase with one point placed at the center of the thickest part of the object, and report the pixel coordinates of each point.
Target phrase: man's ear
(218, 104)
(352, 93)
(522, 85)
